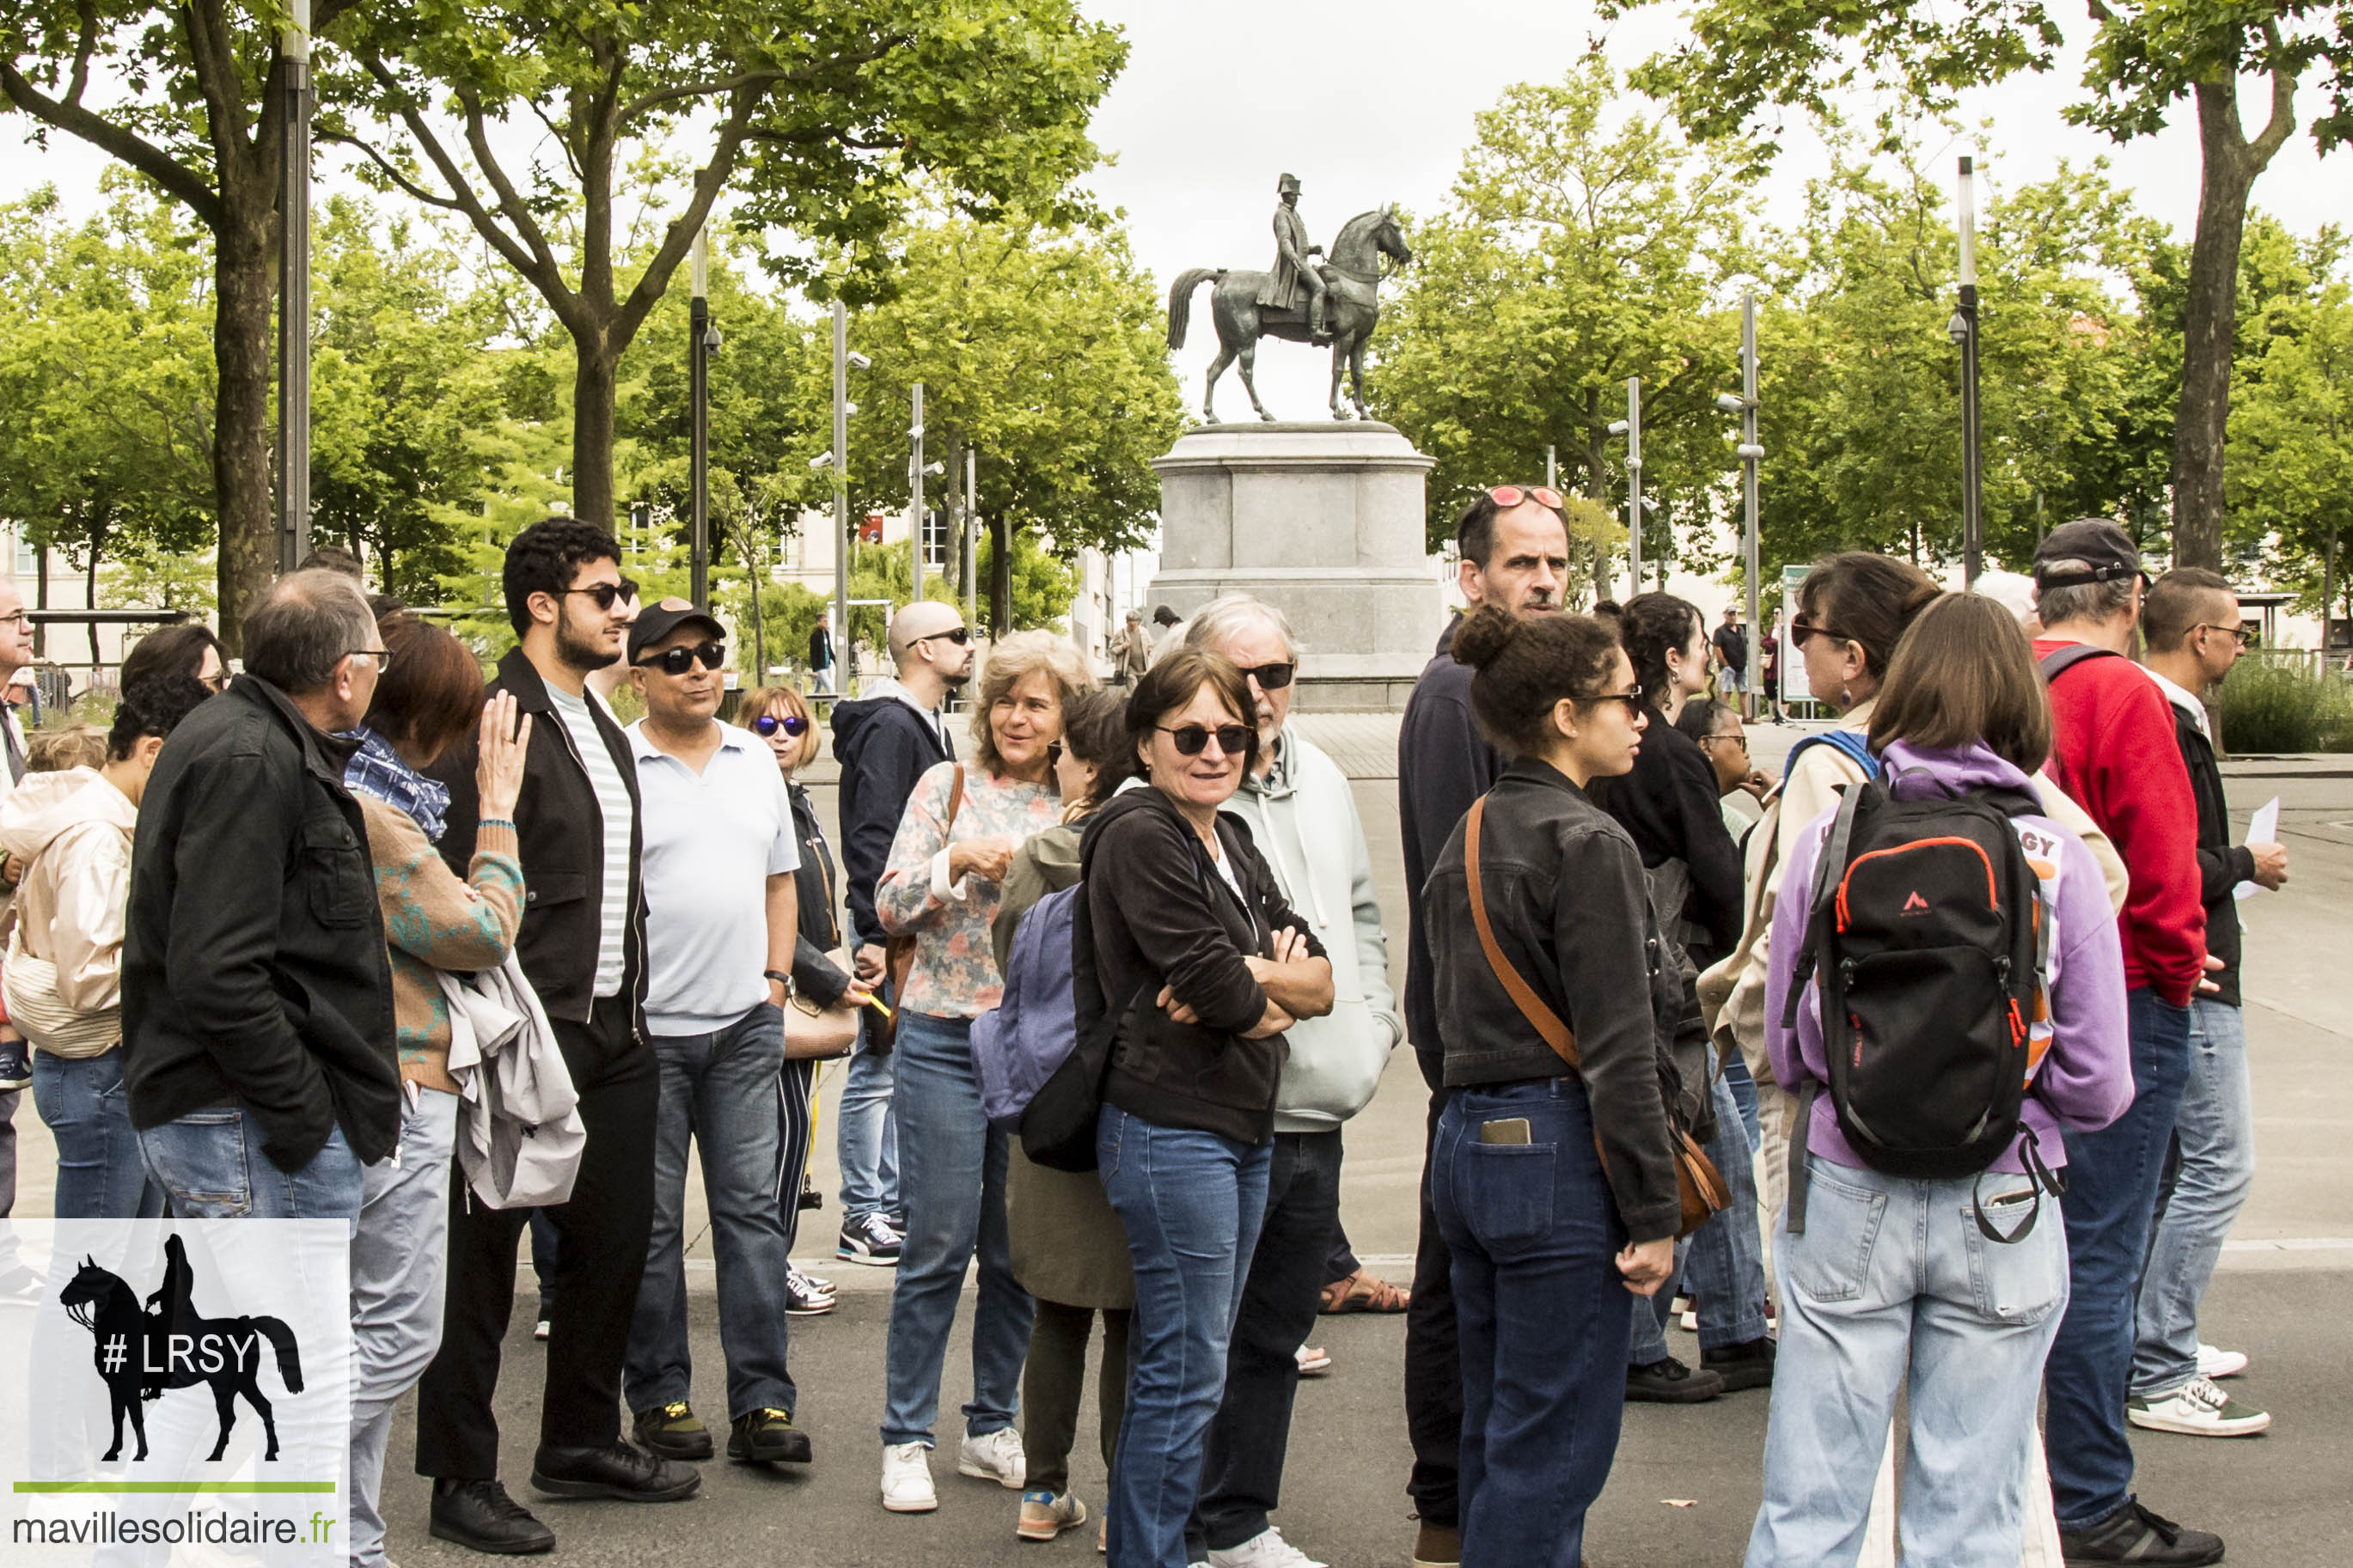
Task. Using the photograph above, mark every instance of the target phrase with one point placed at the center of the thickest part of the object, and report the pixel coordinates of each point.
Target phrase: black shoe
(672, 1431)
(1670, 1382)
(1748, 1365)
(2133, 1534)
(768, 1437)
(480, 1517)
(618, 1471)
(15, 1065)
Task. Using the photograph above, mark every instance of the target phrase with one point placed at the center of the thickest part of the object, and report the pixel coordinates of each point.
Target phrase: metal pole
(698, 395)
(1552, 468)
(915, 493)
(1634, 477)
(972, 537)
(840, 492)
(1972, 502)
(294, 298)
(1749, 680)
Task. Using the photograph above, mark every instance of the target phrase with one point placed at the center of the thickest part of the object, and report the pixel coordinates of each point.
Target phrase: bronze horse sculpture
(1351, 276)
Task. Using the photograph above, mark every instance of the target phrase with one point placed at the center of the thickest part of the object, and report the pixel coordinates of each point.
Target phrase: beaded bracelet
(497, 822)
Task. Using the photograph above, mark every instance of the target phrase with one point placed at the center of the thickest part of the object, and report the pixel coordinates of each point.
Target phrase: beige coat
(63, 976)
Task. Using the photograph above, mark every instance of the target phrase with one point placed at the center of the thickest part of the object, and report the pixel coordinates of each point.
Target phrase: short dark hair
(332, 558)
(1651, 625)
(307, 625)
(1702, 717)
(431, 696)
(2175, 604)
(1172, 682)
(169, 650)
(1474, 531)
(545, 557)
(1965, 672)
(1527, 666)
(1867, 598)
(153, 706)
(1094, 727)
(1163, 616)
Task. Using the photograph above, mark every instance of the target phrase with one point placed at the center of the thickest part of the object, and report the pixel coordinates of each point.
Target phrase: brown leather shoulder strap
(1542, 1018)
(955, 798)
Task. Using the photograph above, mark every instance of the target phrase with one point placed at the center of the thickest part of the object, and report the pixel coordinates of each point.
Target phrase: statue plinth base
(1325, 521)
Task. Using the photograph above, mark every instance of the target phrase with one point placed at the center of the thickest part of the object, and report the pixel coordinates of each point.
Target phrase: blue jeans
(398, 1255)
(1722, 1262)
(1894, 1287)
(866, 1137)
(1744, 1095)
(100, 1173)
(210, 1165)
(1540, 1310)
(2206, 1185)
(2112, 1178)
(1192, 1202)
(720, 1091)
(951, 1176)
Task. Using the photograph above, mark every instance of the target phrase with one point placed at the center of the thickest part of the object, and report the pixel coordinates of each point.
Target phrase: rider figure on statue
(1291, 270)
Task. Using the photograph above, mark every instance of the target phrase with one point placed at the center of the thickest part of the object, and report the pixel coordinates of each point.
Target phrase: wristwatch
(781, 978)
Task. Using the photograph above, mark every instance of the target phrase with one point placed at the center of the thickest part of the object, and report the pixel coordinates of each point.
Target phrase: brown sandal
(1363, 1292)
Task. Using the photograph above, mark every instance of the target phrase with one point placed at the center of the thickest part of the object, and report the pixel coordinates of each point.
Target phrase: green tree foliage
(2292, 490)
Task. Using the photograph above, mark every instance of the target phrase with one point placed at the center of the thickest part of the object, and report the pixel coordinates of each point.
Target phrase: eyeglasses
(23, 621)
(1737, 737)
(679, 660)
(1802, 629)
(1054, 753)
(607, 595)
(1509, 496)
(382, 657)
(1631, 697)
(959, 636)
(766, 725)
(2246, 634)
(1271, 677)
(1192, 740)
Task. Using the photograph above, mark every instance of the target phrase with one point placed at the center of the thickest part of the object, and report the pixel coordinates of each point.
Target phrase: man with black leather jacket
(582, 947)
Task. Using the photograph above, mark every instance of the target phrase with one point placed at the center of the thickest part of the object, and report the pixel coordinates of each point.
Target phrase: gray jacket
(520, 1136)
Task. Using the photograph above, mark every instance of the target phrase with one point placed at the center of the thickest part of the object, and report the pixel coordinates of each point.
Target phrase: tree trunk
(245, 286)
(595, 364)
(90, 588)
(41, 597)
(1001, 576)
(952, 513)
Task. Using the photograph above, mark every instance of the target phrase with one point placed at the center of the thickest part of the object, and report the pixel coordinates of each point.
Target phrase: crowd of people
(266, 934)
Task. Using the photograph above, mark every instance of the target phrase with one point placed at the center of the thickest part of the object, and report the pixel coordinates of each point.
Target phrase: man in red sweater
(2114, 749)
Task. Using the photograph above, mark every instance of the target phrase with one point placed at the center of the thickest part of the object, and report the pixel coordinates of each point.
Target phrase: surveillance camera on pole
(1750, 454)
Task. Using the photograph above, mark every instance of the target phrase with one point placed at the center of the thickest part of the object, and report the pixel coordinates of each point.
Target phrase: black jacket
(815, 975)
(2221, 865)
(1161, 915)
(562, 831)
(1668, 804)
(1566, 898)
(884, 745)
(253, 956)
(1443, 764)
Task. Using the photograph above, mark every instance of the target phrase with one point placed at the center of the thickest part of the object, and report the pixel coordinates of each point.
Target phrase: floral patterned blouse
(954, 974)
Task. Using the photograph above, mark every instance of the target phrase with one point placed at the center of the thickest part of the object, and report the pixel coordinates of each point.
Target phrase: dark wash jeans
(1541, 1315)
(1433, 1363)
(2111, 1202)
(1241, 1462)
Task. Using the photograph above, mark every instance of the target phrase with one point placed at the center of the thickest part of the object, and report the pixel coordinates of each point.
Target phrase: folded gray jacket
(520, 1136)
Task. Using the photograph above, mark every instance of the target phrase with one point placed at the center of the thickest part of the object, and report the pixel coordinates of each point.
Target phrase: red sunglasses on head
(1506, 497)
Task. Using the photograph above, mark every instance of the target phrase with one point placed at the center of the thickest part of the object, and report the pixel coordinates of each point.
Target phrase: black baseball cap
(2105, 549)
(655, 622)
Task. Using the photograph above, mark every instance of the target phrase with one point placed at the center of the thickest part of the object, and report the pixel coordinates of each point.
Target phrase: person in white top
(16, 1282)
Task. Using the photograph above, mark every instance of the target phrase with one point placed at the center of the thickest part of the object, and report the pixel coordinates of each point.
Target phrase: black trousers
(1053, 1380)
(600, 1255)
(1434, 1359)
(1241, 1460)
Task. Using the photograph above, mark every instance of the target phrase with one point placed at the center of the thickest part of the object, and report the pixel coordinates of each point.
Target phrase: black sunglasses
(679, 660)
(956, 635)
(1802, 629)
(1631, 697)
(1192, 740)
(1271, 677)
(1054, 753)
(607, 595)
(768, 724)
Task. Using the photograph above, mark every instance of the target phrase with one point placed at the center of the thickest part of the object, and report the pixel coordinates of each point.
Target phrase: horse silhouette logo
(143, 1352)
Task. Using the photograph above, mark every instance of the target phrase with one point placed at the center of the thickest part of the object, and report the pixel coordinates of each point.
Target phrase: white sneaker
(2197, 1409)
(1689, 1320)
(907, 1478)
(1267, 1548)
(2215, 1363)
(996, 1458)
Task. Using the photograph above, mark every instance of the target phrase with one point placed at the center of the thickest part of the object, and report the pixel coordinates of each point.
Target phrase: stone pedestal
(1324, 519)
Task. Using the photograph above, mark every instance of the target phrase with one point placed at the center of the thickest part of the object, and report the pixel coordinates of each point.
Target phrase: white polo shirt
(710, 844)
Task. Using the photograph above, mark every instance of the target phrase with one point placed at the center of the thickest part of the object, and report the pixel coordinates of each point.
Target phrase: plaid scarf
(376, 769)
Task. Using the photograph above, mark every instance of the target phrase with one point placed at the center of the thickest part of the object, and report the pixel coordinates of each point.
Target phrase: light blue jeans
(1723, 1262)
(398, 1255)
(952, 1174)
(1192, 1202)
(1894, 1287)
(867, 1136)
(211, 1165)
(2213, 1165)
(101, 1172)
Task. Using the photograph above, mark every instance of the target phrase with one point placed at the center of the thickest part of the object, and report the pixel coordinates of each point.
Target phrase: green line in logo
(174, 1487)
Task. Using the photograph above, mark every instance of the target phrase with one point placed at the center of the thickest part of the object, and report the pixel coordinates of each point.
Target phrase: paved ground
(2285, 1295)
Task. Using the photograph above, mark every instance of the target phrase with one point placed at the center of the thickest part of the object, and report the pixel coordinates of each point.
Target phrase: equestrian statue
(1336, 301)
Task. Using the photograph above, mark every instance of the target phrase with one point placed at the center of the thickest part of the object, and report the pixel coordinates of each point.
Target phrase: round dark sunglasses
(1271, 677)
(1192, 740)
(607, 595)
(767, 724)
(679, 660)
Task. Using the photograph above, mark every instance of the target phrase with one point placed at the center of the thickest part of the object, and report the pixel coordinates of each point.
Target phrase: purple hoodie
(2085, 1078)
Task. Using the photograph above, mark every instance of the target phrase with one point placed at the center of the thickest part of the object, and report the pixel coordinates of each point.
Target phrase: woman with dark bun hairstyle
(1553, 1183)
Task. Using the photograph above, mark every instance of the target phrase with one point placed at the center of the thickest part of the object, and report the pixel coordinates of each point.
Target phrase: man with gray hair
(250, 885)
(1303, 819)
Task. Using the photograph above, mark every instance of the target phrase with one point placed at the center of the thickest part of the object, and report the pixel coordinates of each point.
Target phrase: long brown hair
(1965, 672)
(1866, 598)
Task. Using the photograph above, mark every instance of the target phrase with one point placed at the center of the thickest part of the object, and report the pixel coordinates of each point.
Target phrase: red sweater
(2114, 749)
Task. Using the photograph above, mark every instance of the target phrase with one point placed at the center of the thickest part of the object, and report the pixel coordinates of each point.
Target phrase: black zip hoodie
(884, 743)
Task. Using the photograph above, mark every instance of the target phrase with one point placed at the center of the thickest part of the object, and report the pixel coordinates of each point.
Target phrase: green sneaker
(673, 1431)
(767, 1435)
(2197, 1409)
